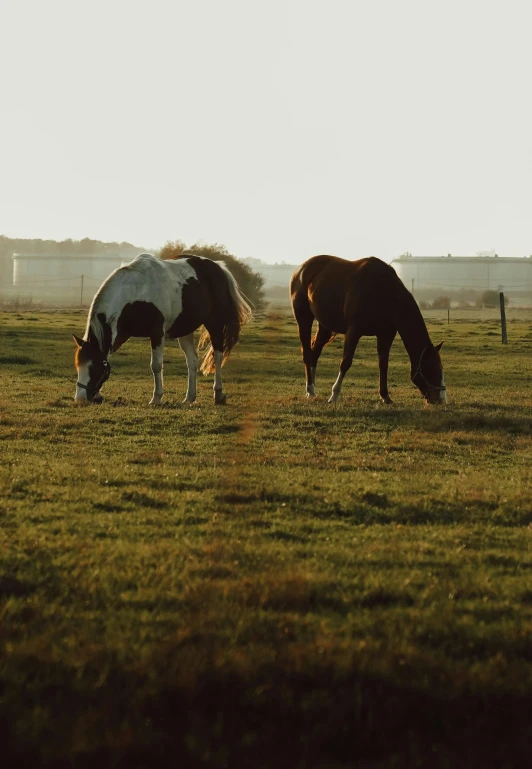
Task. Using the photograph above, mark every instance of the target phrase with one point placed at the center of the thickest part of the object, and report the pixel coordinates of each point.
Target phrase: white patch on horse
(84, 379)
(311, 386)
(146, 279)
(443, 393)
(336, 388)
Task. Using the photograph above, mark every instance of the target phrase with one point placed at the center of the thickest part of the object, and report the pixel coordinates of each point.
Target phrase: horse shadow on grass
(487, 417)
(368, 509)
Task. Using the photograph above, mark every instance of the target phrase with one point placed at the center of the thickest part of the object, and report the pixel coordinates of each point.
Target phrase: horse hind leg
(323, 336)
(304, 319)
(187, 345)
(219, 396)
(217, 341)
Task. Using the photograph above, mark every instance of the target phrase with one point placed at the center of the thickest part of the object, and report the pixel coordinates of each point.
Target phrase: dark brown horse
(362, 298)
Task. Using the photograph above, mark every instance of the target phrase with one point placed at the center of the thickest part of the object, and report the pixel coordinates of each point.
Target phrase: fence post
(503, 318)
(448, 315)
(81, 299)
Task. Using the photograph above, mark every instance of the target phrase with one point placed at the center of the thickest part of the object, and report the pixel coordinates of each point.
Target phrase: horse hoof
(311, 395)
(333, 399)
(154, 403)
(189, 400)
(220, 399)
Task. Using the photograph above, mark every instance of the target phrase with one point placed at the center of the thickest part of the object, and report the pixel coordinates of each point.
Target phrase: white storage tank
(452, 273)
(58, 277)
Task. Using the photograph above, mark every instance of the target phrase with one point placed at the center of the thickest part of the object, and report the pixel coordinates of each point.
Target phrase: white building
(62, 278)
(32, 267)
(478, 273)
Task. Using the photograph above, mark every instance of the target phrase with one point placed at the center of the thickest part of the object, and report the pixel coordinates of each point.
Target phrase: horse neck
(96, 331)
(412, 329)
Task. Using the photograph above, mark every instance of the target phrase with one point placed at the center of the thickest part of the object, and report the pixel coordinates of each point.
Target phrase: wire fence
(43, 290)
(78, 290)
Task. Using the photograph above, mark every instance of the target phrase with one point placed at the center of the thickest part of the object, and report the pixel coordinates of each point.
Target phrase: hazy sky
(280, 129)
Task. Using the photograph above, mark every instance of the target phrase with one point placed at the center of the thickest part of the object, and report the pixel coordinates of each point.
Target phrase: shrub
(441, 303)
(490, 298)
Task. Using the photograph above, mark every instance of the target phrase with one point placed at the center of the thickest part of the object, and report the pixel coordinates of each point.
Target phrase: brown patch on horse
(225, 315)
(196, 309)
(139, 319)
(107, 333)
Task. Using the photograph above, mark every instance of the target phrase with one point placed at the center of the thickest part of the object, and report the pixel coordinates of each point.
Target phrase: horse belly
(331, 319)
(184, 324)
(139, 319)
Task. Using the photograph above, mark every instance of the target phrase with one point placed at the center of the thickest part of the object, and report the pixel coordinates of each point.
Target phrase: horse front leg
(383, 351)
(187, 345)
(350, 345)
(157, 350)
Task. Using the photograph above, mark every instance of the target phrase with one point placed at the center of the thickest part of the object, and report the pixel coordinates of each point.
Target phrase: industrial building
(475, 273)
(62, 278)
(50, 267)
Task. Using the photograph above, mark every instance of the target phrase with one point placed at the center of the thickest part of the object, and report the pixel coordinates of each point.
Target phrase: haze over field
(280, 129)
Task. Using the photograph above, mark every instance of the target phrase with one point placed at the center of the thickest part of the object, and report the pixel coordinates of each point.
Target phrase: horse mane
(239, 312)
(94, 328)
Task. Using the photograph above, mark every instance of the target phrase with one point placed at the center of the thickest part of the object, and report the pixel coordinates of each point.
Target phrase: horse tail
(296, 283)
(237, 311)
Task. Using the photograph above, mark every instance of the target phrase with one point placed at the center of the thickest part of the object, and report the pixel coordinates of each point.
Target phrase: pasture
(274, 582)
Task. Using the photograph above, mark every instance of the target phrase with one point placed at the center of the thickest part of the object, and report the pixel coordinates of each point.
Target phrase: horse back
(341, 292)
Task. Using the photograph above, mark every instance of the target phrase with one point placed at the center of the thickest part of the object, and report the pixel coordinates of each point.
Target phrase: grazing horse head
(93, 370)
(428, 375)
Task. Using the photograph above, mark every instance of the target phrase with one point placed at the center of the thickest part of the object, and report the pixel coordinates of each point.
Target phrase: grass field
(273, 583)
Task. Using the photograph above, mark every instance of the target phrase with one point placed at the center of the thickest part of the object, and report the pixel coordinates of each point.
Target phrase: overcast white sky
(280, 129)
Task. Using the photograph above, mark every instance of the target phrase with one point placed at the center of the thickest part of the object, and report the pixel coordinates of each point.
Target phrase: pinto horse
(362, 298)
(162, 299)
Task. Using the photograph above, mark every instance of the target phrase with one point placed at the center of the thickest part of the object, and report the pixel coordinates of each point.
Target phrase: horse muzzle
(84, 394)
(436, 397)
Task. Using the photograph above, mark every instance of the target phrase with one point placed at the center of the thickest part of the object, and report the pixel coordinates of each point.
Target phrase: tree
(250, 282)
(441, 303)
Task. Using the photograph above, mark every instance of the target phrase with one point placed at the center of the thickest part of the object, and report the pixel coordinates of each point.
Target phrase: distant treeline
(9, 246)
(250, 282)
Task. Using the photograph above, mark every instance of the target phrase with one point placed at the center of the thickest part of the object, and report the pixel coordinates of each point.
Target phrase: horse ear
(438, 347)
(77, 340)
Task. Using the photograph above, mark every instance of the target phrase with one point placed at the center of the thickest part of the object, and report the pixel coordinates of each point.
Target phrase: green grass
(276, 582)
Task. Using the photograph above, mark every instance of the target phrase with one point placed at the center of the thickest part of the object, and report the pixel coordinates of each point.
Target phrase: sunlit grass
(210, 584)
